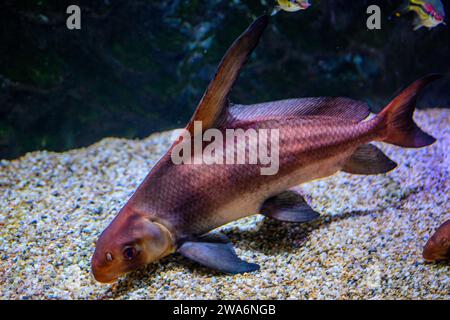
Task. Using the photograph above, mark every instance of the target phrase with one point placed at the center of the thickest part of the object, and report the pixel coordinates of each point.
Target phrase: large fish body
(201, 197)
(177, 204)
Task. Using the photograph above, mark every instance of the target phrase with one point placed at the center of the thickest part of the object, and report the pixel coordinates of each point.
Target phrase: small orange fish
(438, 246)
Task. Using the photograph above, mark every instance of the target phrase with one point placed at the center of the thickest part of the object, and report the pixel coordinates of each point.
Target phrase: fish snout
(431, 256)
(101, 275)
(100, 270)
(434, 251)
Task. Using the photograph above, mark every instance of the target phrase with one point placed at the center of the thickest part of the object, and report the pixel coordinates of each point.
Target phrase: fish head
(304, 4)
(436, 15)
(131, 241)
(438, 246)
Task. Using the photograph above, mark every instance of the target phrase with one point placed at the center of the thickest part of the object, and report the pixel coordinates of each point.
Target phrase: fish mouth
(436, 256)
(104, 278)
(433, 254)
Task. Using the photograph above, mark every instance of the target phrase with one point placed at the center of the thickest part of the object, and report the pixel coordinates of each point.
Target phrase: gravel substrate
(367, 244)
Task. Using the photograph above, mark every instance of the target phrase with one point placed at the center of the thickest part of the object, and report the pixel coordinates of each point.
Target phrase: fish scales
(195, 194)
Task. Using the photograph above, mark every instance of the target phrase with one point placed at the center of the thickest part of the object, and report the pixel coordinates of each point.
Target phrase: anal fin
(288, 206)
(368, 159)
(216, 252)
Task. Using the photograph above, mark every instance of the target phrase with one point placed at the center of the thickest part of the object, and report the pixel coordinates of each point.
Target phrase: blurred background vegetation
(139, 66)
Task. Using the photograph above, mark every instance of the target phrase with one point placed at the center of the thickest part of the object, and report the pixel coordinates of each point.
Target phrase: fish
(291, 5)
(177, 207)
(438, 246)
(429, 13)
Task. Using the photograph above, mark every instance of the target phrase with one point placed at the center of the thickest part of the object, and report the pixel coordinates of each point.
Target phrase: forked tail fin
(397, 117)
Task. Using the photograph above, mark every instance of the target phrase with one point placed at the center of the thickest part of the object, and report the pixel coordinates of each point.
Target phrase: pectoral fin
(368, 159)
(216, 252)
(288, 206)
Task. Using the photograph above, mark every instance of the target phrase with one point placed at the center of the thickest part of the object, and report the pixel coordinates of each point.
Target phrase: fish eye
(129, 253)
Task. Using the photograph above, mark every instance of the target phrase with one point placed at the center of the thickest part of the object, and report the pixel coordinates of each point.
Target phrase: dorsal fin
(323, 106)
(214, 99)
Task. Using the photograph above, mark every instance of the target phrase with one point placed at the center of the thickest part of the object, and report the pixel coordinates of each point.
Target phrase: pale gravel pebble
(367, 244)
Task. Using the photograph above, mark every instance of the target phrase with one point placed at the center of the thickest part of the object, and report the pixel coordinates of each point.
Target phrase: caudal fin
(397, 117)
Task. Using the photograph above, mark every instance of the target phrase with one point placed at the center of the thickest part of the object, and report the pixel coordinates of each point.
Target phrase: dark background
(138, 66)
